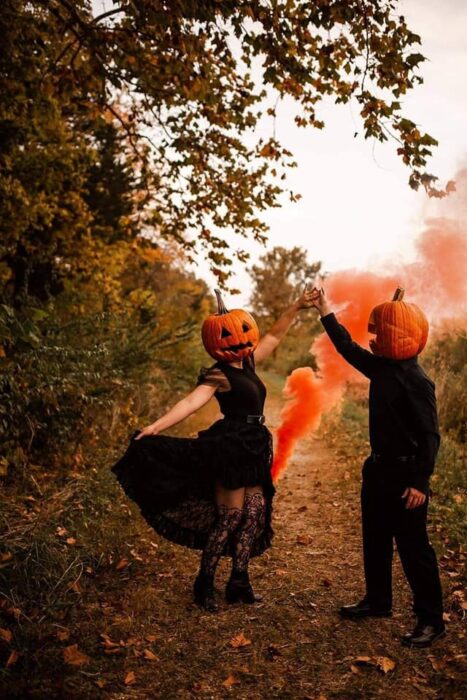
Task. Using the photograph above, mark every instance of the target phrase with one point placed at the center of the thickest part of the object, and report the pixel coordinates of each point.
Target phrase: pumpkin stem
(398, 294)
(221, 308)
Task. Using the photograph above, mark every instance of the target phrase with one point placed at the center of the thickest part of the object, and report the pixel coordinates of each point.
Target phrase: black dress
(172, 479)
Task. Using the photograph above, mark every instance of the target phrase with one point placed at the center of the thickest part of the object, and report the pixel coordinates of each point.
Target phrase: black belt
(376, 457)
(247, 419)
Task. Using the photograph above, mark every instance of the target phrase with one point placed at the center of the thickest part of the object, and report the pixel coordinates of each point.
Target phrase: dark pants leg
(377, 544)
(419, 562)
(385, 517)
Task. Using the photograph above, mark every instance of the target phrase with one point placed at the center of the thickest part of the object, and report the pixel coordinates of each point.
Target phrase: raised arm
(358, 357)
(184, 408)
(273, 337)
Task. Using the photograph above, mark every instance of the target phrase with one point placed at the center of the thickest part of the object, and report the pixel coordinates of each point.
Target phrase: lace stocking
(254, 512)
(227, 521)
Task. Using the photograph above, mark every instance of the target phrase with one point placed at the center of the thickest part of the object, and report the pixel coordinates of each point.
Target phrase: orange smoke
(436, 281)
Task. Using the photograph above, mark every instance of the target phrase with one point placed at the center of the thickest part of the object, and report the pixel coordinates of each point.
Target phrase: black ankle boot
(203, 592)
(239, 589)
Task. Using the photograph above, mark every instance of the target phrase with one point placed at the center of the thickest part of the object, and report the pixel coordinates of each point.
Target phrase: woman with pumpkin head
(404, 442)
(214, 492)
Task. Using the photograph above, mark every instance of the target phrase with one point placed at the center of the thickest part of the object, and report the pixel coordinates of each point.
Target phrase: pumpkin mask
(401, 329)
(229, 336)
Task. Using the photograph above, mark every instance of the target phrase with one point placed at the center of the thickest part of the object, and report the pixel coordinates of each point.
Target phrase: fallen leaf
(6, 556)
(383, 663)
(230, 681)
(122, 564)
(303, 539)
(74, 657)
(61, 531)
(100, 683)
(130, 678)
(13, 658)
(6, 635)
(71, 540)
(150, 656)
(239, 641)
(107, 642)
(63, 635)
(437, 664)
(151, 637)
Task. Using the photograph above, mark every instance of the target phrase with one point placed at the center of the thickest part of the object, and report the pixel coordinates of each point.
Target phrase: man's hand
(414, 498)
(320, 302)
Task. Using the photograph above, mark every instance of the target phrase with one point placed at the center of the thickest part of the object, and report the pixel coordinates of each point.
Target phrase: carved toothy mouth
(236, 348)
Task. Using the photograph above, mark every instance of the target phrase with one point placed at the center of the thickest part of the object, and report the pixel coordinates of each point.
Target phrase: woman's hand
(305, 300)
(152, 429)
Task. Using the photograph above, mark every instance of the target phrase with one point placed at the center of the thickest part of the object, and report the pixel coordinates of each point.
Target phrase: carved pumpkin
(229, 336)
(401, 329)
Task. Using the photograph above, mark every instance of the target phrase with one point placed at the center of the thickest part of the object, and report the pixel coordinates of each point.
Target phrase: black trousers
(385, 519)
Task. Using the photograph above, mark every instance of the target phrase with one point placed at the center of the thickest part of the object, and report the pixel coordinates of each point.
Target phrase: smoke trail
(436, 281)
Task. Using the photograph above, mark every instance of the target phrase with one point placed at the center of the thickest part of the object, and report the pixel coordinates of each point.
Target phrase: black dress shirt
(403, 416)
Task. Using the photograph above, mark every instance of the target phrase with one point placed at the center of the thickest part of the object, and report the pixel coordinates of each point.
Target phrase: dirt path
(293, 645)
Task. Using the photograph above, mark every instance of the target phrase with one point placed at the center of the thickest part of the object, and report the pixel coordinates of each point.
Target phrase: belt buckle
(255, 419)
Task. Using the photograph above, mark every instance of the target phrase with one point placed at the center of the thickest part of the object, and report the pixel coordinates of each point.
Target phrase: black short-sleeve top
(239, 391)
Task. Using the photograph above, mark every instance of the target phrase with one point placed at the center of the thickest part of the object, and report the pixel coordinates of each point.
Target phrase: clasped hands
(313, 298)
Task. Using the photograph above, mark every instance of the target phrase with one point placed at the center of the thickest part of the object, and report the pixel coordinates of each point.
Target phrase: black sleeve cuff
(419, 482)
(328, 318)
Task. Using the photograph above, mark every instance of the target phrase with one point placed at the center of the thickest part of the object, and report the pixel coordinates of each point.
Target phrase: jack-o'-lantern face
(229, 336)
(401, 329)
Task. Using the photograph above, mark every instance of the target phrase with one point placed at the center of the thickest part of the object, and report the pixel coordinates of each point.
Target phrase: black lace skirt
(172, 479)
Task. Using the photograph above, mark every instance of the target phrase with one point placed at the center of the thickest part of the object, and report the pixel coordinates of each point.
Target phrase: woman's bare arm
(184, 408)
(273, 337)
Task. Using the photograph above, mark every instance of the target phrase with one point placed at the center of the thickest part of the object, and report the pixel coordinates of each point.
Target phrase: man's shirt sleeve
(361, 359)
(422, 400)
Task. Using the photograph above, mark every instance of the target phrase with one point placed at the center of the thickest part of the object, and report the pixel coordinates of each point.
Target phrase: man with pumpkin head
(214, 492)
(404, 442)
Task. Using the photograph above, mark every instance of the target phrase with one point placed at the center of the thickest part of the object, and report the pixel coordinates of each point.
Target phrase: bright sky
(357, 209)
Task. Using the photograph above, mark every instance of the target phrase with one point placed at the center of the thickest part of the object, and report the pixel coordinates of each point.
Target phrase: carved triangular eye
(245, 327)
(225, 333)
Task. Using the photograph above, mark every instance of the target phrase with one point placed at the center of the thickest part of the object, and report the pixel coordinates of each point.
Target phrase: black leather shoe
(423, 635)
(203, 592)
(363, 609)
(239, 589)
